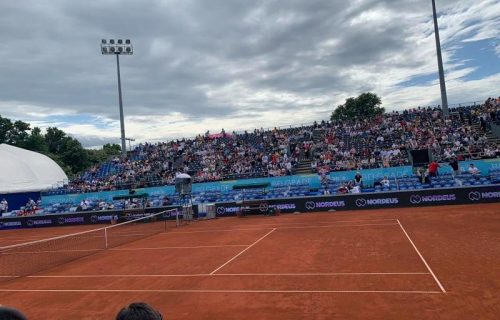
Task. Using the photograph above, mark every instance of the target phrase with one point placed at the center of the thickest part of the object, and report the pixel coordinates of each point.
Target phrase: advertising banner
(402, 199)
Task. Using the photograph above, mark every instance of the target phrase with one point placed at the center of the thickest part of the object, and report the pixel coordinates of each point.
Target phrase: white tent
(23, 170)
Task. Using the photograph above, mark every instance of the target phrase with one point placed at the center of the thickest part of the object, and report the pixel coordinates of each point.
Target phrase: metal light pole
(442, 83)
(129, 140)
(118, 49)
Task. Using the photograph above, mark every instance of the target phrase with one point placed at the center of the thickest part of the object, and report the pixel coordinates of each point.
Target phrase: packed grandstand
(320, 148)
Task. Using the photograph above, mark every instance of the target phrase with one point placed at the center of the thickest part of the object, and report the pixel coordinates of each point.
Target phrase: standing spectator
(433, 168)
(454, 165)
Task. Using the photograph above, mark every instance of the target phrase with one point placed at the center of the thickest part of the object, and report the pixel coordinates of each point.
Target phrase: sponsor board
(39, 222)
(99, 218)
(427, 197)
(476, 195)
(313, 205)
(70, 220)
(433, 198)
(10, 224)
(362, 202)
(284, 206)
(228, 210)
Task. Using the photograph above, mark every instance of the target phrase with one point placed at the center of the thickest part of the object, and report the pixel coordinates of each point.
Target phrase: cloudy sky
(212, 64)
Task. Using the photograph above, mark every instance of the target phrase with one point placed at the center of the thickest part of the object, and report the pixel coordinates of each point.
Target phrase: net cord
(20, 245)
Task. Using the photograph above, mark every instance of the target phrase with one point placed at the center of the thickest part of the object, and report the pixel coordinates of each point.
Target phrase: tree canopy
(364, 106)
(56, 144)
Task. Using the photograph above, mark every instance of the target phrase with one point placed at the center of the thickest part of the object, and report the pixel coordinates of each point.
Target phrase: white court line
(192, 247)
(125, 249)
(422, 258)
(278, 224)
(340, 226)
(52, 251)
(241, 252)
(216, 291)
(281, 228)
(228, 275)
(214, 230)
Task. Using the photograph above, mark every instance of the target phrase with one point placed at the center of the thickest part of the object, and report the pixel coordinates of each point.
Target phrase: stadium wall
(401, 199)
(450, 196)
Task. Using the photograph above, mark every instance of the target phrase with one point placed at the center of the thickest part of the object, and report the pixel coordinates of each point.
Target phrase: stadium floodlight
(118, 48)
(442, 83)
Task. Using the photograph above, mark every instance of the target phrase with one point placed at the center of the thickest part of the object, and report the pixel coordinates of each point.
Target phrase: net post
(176, 217)
(105, 238)
(164, 223)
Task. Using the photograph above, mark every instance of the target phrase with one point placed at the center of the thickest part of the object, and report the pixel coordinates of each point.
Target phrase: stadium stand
(319, 148)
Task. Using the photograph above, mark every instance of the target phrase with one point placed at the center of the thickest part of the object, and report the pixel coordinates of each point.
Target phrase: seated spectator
(7, 313)
(473, 169)
(358, 180)
(138, 311)
(385, 182)
(423, 175)
(356, 189)
(165, 201)
(343, 189)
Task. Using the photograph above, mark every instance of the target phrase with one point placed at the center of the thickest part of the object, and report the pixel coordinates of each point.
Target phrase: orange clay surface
(332, 265)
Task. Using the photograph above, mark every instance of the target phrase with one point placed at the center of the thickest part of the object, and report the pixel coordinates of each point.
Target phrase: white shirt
(473, 170)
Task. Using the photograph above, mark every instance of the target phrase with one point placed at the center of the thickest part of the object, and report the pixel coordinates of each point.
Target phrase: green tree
(14, 133)
(36, 141)
(5, 127)
(365, 106)
(73, 154)
(54, 139)
(111, 149)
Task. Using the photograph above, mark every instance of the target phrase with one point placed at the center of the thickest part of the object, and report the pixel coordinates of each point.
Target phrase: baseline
(228, 275)
(218, 291)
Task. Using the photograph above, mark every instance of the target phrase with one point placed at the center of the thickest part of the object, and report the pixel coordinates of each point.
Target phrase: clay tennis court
(422, 263)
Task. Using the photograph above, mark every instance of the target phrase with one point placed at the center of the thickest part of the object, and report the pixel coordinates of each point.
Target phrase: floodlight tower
(442, 83)
(118, 48)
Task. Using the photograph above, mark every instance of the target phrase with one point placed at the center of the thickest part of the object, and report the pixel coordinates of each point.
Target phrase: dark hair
(138, 311)
(7, 313)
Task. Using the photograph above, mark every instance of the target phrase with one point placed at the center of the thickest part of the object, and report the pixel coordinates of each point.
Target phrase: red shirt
(433, 166)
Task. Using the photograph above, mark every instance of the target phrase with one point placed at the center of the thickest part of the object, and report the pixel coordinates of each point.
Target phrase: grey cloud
(184, 48)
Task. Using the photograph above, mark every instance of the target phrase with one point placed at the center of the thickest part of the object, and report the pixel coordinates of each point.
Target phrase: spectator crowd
(328, 146)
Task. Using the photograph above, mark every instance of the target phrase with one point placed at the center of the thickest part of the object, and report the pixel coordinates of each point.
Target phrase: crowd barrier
(401, 199)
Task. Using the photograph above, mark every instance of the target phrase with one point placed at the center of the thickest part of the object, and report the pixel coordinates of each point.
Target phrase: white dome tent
(23, 171)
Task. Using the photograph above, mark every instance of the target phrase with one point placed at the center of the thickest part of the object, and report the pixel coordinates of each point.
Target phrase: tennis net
(31, 257)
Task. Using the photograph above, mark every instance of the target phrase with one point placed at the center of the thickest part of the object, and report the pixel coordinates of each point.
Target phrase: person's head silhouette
(7, 313)
(138, 311)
